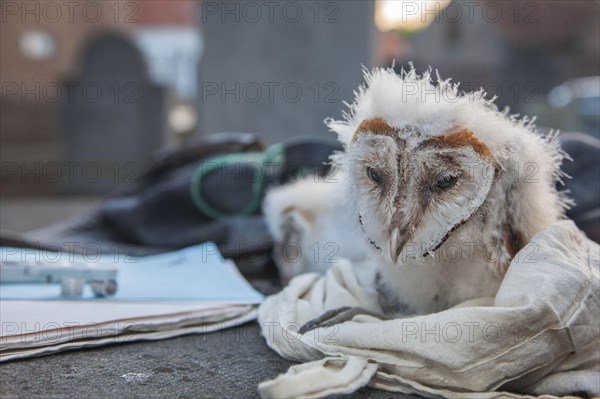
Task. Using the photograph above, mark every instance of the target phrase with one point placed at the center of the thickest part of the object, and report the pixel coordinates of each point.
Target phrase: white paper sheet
(197, 273)
(187, 291)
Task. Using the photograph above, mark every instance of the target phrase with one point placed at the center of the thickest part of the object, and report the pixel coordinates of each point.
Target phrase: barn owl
(439, 187)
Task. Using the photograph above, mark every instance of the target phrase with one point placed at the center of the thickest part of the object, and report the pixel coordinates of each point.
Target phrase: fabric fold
(541, 331)
(328, 376)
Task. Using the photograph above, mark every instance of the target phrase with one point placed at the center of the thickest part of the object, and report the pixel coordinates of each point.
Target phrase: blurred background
(90, 89)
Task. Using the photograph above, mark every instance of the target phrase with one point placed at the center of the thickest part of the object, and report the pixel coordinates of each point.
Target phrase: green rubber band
(273, 155)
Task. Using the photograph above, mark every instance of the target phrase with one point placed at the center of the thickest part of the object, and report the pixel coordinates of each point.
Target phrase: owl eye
(374, 175)
(446, 182)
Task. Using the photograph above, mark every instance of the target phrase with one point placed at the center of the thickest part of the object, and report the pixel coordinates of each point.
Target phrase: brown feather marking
(461, 138)
(307, 215)
(376, 126)
(514, 241)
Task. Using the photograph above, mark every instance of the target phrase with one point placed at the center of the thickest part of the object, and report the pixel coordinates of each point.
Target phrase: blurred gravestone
(113, 117)
(279, 68)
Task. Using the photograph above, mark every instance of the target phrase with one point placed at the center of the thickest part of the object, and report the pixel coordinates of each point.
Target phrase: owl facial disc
(419, 188)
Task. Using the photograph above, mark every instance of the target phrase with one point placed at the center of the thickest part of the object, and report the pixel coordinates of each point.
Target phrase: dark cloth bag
(157, 213)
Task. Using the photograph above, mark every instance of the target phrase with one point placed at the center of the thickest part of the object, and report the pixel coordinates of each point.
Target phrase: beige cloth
(541, 335)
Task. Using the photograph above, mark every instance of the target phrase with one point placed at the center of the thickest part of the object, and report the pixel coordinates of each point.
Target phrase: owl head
(424, 163)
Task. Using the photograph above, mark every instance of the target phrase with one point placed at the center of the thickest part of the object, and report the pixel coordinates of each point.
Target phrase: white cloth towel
(539, 336)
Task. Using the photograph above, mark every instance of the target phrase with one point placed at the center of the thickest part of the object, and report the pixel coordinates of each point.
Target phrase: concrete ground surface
(224, 364)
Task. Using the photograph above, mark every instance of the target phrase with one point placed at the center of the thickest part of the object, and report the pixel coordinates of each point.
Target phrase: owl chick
(444, 188)
(311, 229)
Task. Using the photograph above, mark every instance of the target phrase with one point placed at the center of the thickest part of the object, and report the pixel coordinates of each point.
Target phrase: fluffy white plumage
(439, 179)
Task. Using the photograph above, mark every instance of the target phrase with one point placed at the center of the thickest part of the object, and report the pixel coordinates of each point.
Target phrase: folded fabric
(539, 336)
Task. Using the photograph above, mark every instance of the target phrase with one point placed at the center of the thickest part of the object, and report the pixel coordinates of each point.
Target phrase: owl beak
(396, 244)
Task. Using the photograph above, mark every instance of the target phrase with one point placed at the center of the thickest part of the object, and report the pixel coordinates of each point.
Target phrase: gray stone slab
(225, 364)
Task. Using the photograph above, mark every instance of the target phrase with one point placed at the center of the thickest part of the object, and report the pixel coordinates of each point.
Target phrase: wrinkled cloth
(539, 336)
